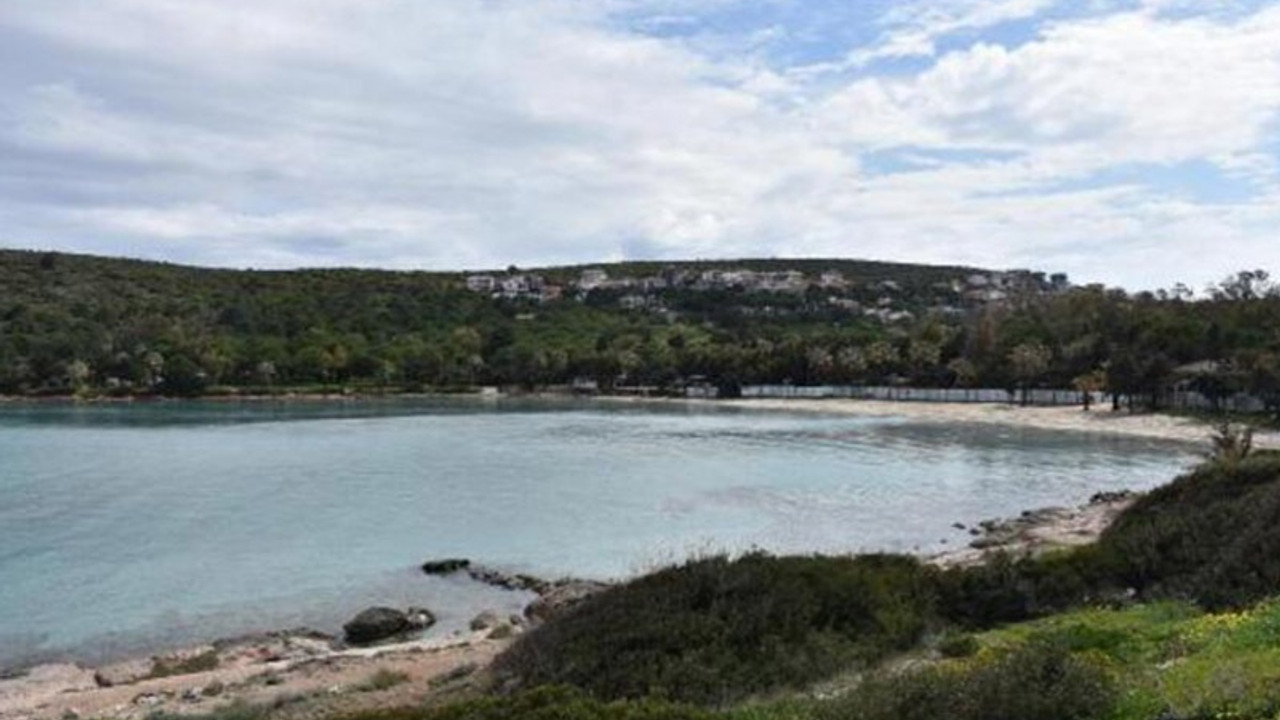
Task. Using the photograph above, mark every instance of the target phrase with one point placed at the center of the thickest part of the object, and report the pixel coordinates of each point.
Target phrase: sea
(133, 527)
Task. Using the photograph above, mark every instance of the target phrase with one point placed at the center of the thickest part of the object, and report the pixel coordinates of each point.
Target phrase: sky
(1130, 142)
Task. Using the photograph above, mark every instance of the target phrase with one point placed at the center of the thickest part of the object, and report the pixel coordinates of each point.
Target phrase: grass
(547, 703)
(1172, 659)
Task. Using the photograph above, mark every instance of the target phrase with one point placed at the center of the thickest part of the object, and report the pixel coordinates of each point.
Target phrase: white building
(481, 283)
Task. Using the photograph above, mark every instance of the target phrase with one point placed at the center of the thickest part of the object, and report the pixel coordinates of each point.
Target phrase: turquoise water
(130, 526)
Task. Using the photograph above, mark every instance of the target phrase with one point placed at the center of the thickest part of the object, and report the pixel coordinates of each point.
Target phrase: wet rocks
(508, 581)
(485, 621)
(1104, 498)
(447, 566)
(382, 623)
(554, 596)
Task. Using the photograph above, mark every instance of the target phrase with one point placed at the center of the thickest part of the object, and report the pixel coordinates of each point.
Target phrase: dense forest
(73, 324)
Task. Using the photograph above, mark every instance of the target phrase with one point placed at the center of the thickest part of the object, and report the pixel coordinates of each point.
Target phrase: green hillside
(74, 324)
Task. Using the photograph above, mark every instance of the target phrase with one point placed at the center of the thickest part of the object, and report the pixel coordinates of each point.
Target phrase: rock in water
(445, 567)
(380, 623)
(485, 620)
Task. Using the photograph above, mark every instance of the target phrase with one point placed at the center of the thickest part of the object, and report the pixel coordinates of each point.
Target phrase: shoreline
(1098, 420)
(298, 665)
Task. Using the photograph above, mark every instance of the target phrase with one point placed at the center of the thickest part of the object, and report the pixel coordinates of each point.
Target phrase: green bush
(958, 645)
(548, 703)
(1212, 535)
(1040, 681)
(716, 630)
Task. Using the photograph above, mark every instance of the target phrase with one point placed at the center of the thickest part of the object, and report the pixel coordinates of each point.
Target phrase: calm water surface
(127, 527)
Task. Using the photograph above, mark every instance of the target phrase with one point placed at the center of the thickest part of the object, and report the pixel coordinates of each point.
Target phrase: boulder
(446, 566)
(485, 620)
(380, 623)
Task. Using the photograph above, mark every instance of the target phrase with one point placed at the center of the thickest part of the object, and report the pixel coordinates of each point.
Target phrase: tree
(1244, 286)
(924, 356)
(78, 373)
(963, 372)
(1029, 361)
(1090, 383)
(881, 357)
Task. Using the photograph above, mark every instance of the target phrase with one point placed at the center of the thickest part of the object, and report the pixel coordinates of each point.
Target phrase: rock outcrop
(560, 597)
(381, 623)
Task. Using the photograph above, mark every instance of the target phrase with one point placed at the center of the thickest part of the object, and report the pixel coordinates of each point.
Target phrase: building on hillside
(481, 283)
(832, 280)
(592, 279)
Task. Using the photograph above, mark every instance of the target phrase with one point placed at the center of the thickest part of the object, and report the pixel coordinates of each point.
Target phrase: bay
(134, 526)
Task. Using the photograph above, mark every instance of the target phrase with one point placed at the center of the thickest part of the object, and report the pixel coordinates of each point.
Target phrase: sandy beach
(1099, 419)
(298, 672)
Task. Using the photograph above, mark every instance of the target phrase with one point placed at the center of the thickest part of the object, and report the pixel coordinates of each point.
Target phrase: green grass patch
(547, 703)
(1041, 680)
(1170, 659)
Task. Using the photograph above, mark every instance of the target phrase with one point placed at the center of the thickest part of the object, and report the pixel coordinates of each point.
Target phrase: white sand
(1100, 419)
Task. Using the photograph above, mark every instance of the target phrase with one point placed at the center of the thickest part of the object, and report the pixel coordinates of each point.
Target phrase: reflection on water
(170, 520)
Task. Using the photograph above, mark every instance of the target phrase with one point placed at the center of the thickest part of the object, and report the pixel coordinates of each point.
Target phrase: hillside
(89, 326)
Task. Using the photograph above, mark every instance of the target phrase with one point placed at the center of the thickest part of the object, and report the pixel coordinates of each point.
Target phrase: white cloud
(914, 28)
(485, 132)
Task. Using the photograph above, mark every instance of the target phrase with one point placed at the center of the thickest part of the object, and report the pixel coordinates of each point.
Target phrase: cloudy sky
(1129, 142)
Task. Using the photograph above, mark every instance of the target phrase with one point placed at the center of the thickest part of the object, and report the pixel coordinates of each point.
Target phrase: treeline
(88, 325)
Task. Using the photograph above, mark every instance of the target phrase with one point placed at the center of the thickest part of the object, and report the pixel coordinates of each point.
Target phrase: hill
(75, 323)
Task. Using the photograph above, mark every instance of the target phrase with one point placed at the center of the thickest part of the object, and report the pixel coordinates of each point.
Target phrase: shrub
(716, 630)
(548, 703)
(1040, 681)
(1230, 443)
(958, 645)
(1212, 535)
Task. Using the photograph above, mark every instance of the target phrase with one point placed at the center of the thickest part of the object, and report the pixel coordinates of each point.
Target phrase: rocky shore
(380, 664)
(1038, 531)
